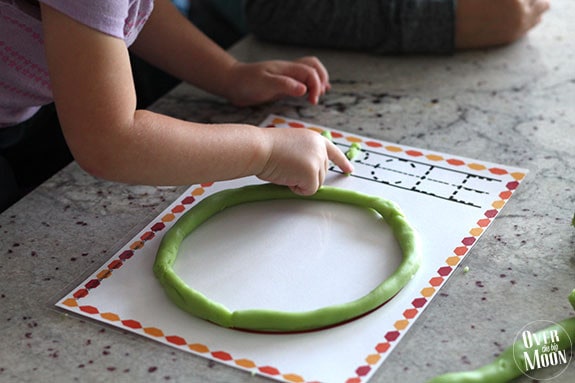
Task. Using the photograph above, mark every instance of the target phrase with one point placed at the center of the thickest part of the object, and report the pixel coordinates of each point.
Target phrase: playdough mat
(300, 255)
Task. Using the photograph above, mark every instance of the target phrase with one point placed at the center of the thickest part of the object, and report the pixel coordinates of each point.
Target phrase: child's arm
(95, 98)
(481, 23)
(172, 43)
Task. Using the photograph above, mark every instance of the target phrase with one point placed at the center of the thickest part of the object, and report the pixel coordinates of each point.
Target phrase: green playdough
(327, 134)
(197, 304)
(510, 364)
(353, 151)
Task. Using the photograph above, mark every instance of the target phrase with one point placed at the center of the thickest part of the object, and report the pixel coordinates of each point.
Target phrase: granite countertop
(511, 105)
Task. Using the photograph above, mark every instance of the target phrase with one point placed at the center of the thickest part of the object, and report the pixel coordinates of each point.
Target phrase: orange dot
(246, 363)
(110, 316)
(498, 171)
(427, 292)
(475, 166)
(198, 191)
(197, 347)
(394, 149)
(484, 222)
(168, 217)
(436, 281)
(104, 274)
(505, 194)
(70, 302)
(461, 250)
(410, 313)
(178, 209)
(434, 157)
(401, 324)
(382, 347)
(153, 331)
(137, 245)
(498, 204)
(293, 378)
(452, 261)
(476, 231)
(518, 176)
(373, 359)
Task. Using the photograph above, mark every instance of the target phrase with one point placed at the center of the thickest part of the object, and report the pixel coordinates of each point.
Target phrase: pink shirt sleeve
(119, 18)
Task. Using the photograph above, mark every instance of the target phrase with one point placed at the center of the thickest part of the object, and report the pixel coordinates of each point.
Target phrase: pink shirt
(24, 80)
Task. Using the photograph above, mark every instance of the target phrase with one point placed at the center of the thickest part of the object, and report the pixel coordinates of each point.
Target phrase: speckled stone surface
(513, 105)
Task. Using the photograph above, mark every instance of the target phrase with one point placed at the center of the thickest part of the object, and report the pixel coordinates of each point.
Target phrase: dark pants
(29, 154)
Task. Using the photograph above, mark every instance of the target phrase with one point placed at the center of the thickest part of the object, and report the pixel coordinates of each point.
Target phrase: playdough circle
(264, 320)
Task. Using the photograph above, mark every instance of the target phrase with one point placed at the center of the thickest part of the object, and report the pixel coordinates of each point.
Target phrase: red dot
(391, 336)
(116, 264)
(188, 200)
(382, 347)
(80, 293)
(126, 255)
(147, 236)
(419, 302)
(456, 162)
(158, 226)
(89, 309)
(269, 370)
(132, 324)
(414, 153)
(512, 185)
(498, 171)
(444, 271)
(363, 370)
(176, 340)
(490, 213)
(92, 284)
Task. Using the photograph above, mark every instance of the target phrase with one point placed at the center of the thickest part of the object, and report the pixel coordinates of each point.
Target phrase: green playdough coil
(264, 320)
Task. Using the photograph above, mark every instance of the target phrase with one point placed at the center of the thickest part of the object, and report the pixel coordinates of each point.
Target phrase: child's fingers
(308, 188)
(320, 69)
(288, 86)
(338, 158)
(308, 76)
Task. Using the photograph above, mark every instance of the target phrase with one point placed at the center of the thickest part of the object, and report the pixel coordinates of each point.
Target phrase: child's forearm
(170, 42)
(160, 150)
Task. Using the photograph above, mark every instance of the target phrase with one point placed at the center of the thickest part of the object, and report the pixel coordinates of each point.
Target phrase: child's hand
(299, 158)
(255, 83)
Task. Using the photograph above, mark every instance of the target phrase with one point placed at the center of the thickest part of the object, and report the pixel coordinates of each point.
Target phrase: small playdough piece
(511, 363)
(353, 151)
(327, 134)
(197, 304)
